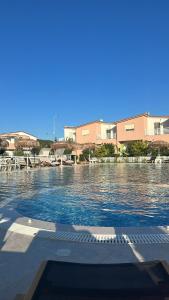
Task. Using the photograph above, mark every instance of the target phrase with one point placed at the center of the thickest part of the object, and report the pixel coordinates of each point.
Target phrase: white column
(161, 129)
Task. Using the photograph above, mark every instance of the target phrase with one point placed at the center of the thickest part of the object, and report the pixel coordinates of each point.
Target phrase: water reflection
(103, 195)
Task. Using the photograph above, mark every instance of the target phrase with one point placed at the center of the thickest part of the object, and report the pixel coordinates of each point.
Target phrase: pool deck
(26, 243)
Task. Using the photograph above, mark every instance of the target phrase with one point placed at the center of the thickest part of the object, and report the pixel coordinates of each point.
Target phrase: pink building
(97, 132)
(141, 127)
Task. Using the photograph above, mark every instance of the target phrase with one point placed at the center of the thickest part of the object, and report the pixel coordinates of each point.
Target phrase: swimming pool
(96, 195)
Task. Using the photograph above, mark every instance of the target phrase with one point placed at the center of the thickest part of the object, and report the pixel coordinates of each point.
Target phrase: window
(157, 128)
(85, 132)
(129, 127)
(114, 133)
(108, 133)
(166, 130)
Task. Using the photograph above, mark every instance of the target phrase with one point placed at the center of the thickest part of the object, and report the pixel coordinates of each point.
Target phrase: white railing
(9, 164)
(157, 131)
(165, 130)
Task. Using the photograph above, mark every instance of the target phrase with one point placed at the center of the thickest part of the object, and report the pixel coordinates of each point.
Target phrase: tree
(35, 150)
(45, 143)
(110, 149)
(69, 140)
(67, 151)
(3, 145)
(105, 150)
(101, 151)
(2, 151)
(86, 153)
(159, 148)
(18, 152)
(164, 151)
(138, 148)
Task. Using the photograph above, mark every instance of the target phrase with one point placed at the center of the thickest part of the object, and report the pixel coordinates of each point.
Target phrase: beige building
(12, 137)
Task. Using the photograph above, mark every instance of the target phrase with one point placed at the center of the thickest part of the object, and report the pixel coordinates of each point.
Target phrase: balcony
(110, 134)
(165, 130)
(157, 131)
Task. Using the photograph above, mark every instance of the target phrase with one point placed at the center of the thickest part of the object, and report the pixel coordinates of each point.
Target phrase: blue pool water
(100, 195)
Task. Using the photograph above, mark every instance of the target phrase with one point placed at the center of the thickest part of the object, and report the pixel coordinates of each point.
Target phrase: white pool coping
(12, 221)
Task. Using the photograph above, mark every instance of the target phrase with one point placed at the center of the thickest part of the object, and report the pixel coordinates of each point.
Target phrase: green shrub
(19, 152)
(45, 143)
(86, 153)
(67, 151)
(2, 151)
(138, 148)
(105, 150)
(35, 150)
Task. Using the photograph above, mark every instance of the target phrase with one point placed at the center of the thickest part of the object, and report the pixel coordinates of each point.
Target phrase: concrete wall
(106, 141)
(153, 138)
(94, 133)
(104, 128)
(139, 128)
(70, 133)
(139, 159)
(88, 133)
(164, 125)
(150, 125)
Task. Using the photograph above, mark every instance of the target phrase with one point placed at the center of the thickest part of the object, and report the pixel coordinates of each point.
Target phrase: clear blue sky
(81, 60)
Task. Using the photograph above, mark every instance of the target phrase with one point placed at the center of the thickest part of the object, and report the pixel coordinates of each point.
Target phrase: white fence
(20, 162)
(8, 164)
(138, 159)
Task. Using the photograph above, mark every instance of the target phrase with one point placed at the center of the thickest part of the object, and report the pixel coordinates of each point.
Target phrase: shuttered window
(85, 132)
(129, 127)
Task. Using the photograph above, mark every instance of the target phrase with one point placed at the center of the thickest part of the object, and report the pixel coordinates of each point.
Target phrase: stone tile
(21, 256)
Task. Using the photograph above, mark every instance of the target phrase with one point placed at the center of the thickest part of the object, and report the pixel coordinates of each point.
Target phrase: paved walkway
(21, 255)
(25, 243)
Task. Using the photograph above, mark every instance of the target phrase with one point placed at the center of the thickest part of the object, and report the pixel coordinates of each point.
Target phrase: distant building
(70, 133)
(140, 127)
(12, 137)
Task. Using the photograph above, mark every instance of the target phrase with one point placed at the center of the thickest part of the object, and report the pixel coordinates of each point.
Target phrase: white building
(12, 137)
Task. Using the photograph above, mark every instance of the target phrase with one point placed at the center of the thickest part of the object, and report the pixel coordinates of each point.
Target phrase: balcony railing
(165, 130)
(157, 131)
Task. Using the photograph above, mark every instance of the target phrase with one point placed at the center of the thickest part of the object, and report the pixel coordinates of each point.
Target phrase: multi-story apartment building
(143, 127)
(140, 127)
(94, 132)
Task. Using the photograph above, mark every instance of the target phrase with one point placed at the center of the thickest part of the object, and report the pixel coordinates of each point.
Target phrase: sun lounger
(165, 160)
(151, 159)
(73, 281)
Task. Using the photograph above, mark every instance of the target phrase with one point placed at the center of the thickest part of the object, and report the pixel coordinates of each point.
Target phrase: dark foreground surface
(61, 280)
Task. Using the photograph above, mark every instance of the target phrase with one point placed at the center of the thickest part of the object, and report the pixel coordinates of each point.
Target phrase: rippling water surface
(99, 195)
